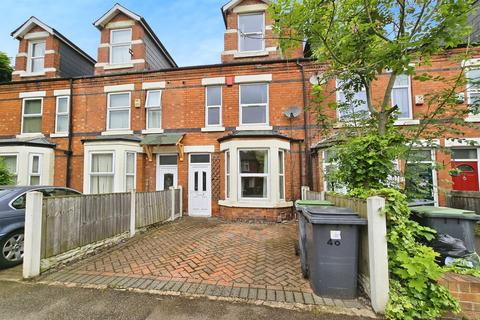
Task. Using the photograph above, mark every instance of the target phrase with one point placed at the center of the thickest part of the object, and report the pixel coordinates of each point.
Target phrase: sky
(191, 30)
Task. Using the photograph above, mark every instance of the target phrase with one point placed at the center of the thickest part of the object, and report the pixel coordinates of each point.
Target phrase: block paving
(207, 257)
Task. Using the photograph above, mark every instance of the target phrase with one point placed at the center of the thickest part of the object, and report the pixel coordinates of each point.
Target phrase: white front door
(199, 186)
(167, 172)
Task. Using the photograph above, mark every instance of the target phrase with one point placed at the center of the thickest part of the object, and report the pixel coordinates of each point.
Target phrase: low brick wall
(256, 214)
(467, 290)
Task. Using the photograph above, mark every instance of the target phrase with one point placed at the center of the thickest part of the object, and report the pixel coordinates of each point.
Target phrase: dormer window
(36, 56)
(251, 32)
(120, 44)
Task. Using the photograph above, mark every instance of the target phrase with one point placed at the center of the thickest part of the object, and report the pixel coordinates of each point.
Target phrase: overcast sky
(191, 30)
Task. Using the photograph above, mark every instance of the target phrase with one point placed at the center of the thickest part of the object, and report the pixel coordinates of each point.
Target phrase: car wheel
(11, 249)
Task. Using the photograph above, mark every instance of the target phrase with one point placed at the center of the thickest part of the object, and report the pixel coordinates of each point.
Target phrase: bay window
(401, 96)
(101, 173)
(62, 115)
(10, 163)
(36, 56)
(227, 174)
(153, 108)
(120, 44)
(253, 174)
(130, 161)
(118, 114)
(254, 104)
(34, 171)
(281, 175)
(32, 115)
(213, 107)
(251, 32)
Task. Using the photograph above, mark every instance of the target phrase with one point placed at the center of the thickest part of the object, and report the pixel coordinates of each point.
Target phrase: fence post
(377, 253)
(33, 235)
(172, 190)
(133, 213)
(322, 195)
(304, 190)
(181, 200)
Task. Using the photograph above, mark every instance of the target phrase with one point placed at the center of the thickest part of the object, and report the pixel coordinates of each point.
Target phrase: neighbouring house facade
(236, 136)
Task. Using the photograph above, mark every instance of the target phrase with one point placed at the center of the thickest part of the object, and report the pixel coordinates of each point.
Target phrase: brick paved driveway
(204, 257)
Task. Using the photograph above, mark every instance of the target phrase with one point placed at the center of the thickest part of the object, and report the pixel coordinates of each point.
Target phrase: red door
(467, 179)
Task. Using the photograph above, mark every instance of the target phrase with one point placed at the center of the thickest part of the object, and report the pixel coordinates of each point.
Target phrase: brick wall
(256, 214)
(467, 290)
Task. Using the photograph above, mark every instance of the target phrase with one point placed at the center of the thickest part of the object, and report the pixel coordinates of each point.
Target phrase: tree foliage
(5, 68)
(6, 177)
(362, 39)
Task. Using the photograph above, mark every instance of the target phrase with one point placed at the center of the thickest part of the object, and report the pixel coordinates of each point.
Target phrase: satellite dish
(318, 78)
(292, 112)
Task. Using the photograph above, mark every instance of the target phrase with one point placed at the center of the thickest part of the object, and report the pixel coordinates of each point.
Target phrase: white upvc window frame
(31, 58)
(100, 174)
(258, 33)
(123, 108)
(432, 161)
(338, 92)
(58, 113)
(131, 174)
(153, 108)
(228, 171)
(16, 163)
(208, 107)
(281, 174)
(410, 104)
(266, 175)
(241, 106)
(36, 115)
(470, 91)
(30, 168)
(121, 44)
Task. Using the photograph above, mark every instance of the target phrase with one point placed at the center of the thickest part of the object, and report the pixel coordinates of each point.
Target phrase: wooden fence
(469, 200)
(73, 222)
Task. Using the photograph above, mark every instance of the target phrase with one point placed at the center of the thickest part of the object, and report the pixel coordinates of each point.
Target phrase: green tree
(5, 68)
(6, 177)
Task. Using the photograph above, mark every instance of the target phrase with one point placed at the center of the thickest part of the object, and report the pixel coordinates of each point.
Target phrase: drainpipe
(69, 152)
(308, 165)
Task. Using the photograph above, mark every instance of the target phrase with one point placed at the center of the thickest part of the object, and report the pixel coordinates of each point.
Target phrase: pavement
(25, 301)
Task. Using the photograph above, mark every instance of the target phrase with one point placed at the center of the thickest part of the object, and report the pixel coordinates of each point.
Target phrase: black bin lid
(332, 215)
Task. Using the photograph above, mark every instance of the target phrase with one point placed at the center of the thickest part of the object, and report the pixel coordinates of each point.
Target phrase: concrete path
(25, 301)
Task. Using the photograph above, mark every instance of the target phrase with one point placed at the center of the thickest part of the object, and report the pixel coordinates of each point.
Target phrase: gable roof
(28, 25)
(231, 4)
(117, 8)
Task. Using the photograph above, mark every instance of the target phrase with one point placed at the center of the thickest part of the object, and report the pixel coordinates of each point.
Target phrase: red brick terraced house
(235, 135)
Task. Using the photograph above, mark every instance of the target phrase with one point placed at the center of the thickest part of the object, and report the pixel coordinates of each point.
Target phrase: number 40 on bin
(335, 237)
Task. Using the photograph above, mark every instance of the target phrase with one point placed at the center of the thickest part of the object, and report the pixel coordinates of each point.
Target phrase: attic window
(120, 44)
(36, 56)
(251, 32)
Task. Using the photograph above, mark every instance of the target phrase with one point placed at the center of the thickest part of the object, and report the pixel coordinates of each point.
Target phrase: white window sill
(148, 131)
(246, 54)
(59, 135)
(118, 66)
(406, 122)
(213, 129)
(473, 118)
(255, 204)
(116, 132)
(32, 74)
(30, 135)
(253, 127)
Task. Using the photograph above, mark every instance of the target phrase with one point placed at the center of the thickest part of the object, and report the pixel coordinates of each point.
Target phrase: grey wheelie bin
(458, 223)
(299, 205)
(332, 236)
